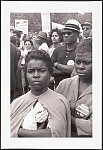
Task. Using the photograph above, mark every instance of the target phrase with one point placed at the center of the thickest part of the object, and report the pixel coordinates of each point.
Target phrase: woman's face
(83, 65)
(27, 45)
(55, 37)
(38, 76)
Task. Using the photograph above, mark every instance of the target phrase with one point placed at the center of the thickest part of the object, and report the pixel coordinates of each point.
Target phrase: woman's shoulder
(56, 96)
(20, 99)
(68, 81)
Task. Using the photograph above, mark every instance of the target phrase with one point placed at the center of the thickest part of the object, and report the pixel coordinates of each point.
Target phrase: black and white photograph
(51, 73)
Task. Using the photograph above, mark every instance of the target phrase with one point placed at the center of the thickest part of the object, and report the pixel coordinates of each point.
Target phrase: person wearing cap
(87, 29)
(63, 57)
(87, 34)
(42, 41)
(78, 91)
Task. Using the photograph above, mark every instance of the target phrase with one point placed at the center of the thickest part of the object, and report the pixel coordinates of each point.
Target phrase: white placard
(45, 17)
(57, 25)
(22, 25)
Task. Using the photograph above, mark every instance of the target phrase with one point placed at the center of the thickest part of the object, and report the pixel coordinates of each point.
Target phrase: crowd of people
(51, 82)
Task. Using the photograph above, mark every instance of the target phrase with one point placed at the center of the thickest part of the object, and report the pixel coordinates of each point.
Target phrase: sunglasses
(68, 33)
(86, 28)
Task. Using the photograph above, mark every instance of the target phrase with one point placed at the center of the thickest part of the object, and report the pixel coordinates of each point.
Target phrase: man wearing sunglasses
(63, 56)
(87, 29)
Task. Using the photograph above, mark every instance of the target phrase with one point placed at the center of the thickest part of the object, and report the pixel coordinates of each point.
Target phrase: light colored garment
(44, 47)
(57, 106)
(69, 88)
(30, 121)
(51, 50)
(23, 55)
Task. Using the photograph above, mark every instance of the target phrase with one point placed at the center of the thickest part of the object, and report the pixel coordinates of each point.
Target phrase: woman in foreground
(41, 112)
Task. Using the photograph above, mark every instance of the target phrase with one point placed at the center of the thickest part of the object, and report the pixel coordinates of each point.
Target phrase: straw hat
(73, 25)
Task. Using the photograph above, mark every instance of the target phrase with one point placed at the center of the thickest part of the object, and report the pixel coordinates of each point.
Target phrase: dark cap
(42, 35)
(87, 22)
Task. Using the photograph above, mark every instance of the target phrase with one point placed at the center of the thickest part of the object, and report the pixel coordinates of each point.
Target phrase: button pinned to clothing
(66, 56)
(70, 62)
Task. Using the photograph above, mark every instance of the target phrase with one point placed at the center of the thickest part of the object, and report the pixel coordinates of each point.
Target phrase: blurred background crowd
(37, 39)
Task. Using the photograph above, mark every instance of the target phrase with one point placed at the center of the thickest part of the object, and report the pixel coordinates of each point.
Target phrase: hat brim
(87, 24)
(67, 28)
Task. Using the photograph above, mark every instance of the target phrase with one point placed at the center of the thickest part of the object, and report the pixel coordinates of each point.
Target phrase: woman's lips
(36, 82)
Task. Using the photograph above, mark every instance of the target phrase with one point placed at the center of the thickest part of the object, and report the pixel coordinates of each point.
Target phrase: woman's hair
(29, 41)
(40, 55)
(58, 32)
(85, 46)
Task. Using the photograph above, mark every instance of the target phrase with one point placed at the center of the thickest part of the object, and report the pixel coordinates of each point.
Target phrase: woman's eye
(30, 72)
(42, 70)
(78, 62)
(87, 63)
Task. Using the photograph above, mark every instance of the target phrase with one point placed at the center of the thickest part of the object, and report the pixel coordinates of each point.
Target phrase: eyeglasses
(27, 44)
(86, 28)
(68, 33)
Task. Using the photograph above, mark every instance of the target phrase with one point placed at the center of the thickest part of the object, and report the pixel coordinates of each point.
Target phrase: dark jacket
(13, 65)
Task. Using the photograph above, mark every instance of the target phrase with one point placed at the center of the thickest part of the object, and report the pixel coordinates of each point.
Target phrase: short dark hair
(40, 55)
(58, 32)
(18, 33)
(84, 46)
(13, 40)
(29, 41)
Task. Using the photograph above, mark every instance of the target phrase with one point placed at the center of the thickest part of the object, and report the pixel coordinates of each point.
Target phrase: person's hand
(52, 79)
(55, 64)
(42, 125)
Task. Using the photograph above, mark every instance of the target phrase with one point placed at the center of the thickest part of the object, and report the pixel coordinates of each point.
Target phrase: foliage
(34, 19)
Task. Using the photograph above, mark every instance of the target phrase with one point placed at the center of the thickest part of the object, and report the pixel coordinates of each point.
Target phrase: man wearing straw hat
(63, 57)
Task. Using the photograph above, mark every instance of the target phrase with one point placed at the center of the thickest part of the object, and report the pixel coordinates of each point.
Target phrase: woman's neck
(83, 85)
(55, 45)
(38, 92)
(87, 81)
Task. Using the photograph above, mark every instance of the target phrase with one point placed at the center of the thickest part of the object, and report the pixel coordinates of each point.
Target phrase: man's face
(39, 40)
(86, 30)
(14, 34)
(70, 36)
